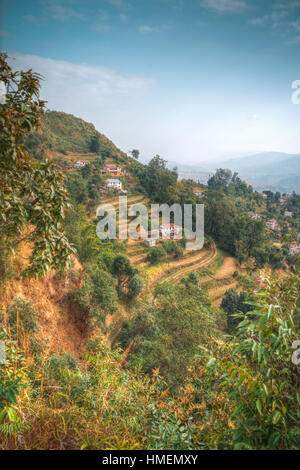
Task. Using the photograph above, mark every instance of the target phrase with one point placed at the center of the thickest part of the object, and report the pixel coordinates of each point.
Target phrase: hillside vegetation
(111, 344)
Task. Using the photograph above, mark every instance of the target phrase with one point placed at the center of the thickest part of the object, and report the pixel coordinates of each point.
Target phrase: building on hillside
(114, 184)
(169, 230)
(273, 224)
(111, 169)
(294, 248)
(288, 214)
(150, 242)
(255, 216)
(265, 196)
(283, 200)
(199, 193)
(81, 163)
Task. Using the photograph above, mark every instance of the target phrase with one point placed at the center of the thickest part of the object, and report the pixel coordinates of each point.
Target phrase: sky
(190, 80)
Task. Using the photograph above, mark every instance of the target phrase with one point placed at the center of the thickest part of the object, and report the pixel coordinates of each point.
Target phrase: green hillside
(62, 133)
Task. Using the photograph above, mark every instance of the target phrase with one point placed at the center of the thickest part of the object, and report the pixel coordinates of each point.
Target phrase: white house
(169, 230)
(150, 242)
(113, 184)
(273, 224)
(81, 163)
(294, 248)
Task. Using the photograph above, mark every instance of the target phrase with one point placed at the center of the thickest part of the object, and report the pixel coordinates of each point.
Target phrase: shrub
(156, 255)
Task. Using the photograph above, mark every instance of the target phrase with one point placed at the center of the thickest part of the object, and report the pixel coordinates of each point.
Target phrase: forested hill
(63, 134)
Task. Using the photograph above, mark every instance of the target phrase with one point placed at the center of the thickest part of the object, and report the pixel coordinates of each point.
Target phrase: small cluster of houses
(165, 231)
(109, 169)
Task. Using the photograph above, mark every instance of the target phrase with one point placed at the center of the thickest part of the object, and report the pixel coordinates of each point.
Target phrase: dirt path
(196, 261)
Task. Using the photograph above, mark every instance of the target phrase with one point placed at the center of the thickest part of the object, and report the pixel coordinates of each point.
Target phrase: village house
(114, 184)
(169, 230)
(294, 248)
(81, 163)
(199, 193)
(150, 242)
(283, 200)
(273, 224)
(252, 215)
(265, 196)
(288, 214)
(111, 169)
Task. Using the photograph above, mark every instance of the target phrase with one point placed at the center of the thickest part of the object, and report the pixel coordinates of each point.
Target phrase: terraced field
(215, 269)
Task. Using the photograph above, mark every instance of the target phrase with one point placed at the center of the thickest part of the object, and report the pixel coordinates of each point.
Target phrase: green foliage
(257, 376)
(156, 255)
(234, 303)
(21, 314)
(167, 335)
(134, 286)
(33, 198)
(158, 181)
(97, 296)
(135, 153)
(95, 144)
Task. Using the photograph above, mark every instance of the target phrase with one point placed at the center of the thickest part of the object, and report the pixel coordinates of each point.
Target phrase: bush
(21, 312)
(135, 286)
(156, 255)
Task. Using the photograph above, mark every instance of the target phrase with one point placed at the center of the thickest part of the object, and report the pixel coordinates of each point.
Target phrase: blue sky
(192, 80)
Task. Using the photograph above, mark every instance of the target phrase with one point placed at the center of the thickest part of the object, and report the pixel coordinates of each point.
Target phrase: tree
(86, 171)
(158, 181)
(234, 303)
(135, 153)
(33, 197)
(134, 286)
(95, 144)
(99, 162)
(156, 255)
(220, 180)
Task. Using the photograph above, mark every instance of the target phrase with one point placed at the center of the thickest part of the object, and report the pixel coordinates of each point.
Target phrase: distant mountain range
(276, 171)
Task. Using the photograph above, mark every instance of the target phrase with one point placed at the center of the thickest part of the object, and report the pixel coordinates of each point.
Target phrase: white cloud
(63, 13)
(114, 102)
(273, 19)
(291, 5)
(225, 6)
(61, 75)
(144, 29)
